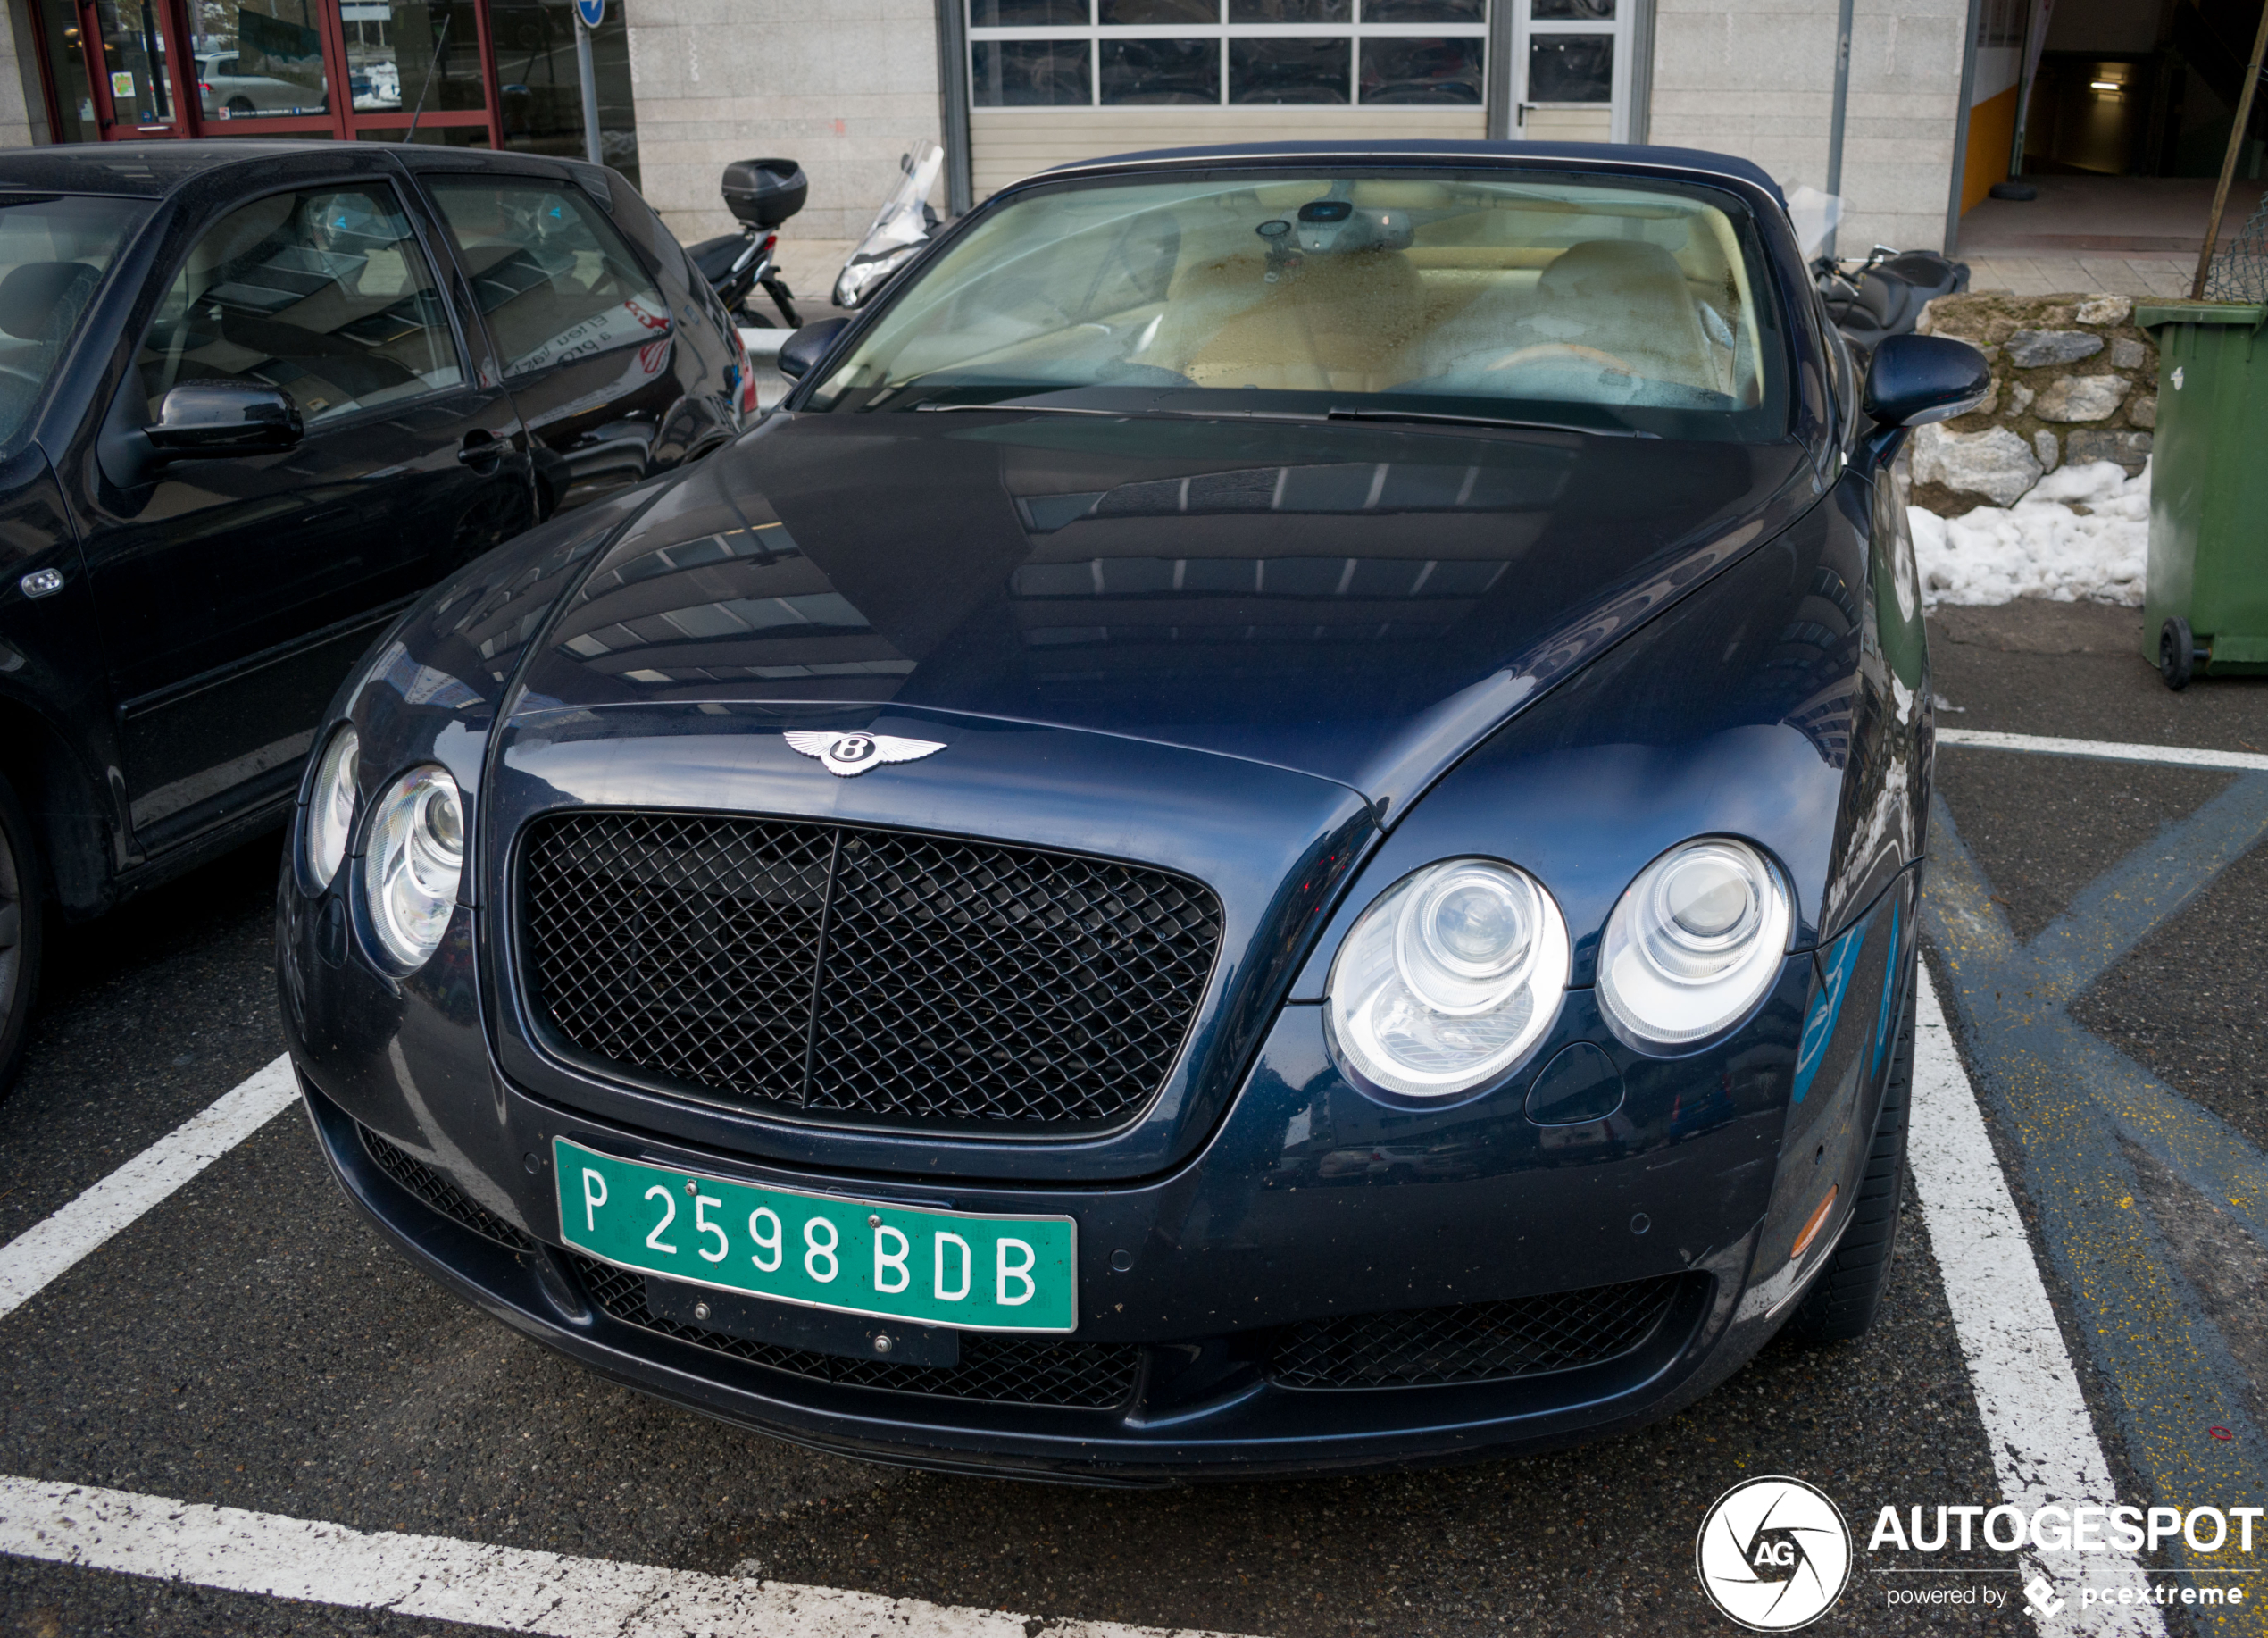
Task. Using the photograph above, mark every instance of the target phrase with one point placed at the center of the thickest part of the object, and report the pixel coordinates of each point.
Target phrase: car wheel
(239, 106)
(19, 914)
(2177, 653)
(1846, 1294)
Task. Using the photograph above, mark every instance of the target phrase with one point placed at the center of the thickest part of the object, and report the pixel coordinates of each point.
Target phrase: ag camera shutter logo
(1773, 1554)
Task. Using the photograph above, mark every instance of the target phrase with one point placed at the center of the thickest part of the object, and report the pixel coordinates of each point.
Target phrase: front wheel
(1847, 1293)
(2177, 653)
(20, 930)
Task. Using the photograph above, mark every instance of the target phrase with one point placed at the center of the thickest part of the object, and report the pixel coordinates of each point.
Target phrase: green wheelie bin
(2205, 612)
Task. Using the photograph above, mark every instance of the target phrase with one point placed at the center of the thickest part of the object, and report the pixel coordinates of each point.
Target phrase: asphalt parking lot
(2098, 933)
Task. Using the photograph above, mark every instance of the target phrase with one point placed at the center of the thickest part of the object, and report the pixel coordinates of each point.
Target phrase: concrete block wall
(1757, 78)
(24, 112)
(841, 87)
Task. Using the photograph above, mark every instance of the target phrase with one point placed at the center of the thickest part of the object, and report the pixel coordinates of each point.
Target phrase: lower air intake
(1001, 1370)
(1476, 1341)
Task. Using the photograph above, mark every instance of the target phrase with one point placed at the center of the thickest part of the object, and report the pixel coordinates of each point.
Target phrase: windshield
(1636, 308)
(52, 254)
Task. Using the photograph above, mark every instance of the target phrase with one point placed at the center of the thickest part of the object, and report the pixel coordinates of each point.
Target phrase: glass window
(325, 293)
(1425, 11)
(1289, 71)
(1571, 67)
(1161, 71)
(1584, 301)
(1423, 71)
(67, 72)
(52, 255)
(1572, 11)
(1028, 14)
(405, 54)
(1157, 13)
(258, 60)
(1291, 11)
(552, 277)
(541, 99)
(1033, 74)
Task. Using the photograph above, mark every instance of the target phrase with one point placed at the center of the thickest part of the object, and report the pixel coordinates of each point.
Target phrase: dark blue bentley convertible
(1273, 826)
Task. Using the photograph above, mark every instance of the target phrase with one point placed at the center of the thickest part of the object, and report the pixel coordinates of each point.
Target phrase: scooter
(900, 229)
(1883, 295)
(762, 193)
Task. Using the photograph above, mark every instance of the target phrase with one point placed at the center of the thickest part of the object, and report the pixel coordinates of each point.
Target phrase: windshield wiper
(1010, 407)
(1445, 418)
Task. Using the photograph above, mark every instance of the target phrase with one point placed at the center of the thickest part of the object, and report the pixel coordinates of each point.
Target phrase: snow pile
(2043, 546)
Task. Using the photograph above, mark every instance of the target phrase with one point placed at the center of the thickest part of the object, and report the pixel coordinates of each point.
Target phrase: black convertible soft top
(1617, 156)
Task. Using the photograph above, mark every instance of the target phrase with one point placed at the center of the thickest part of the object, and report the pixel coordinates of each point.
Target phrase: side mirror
(801, 353)
(224, 418)
(1915, 380)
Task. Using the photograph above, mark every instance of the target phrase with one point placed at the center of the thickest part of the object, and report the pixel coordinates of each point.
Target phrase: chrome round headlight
(861, 276)
(330, 807)
(1694, 943)
(1455, 972)
(414, 862)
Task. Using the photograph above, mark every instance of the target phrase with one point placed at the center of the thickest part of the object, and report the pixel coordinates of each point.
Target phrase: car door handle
(482, 450)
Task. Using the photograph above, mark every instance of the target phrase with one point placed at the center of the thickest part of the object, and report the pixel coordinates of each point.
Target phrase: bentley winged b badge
(847, 756)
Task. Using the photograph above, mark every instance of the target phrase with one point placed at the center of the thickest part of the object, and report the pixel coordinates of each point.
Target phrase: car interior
(1612, 296)
(323, 294)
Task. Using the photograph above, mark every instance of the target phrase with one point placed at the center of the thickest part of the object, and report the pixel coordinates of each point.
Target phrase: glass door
(135, 73)
(378, 70)
(1571, 63)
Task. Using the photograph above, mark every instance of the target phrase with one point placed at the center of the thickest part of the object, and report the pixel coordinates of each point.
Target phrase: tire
(20, 908)
(240, 107)
(2177, 653)
(1846, 1294)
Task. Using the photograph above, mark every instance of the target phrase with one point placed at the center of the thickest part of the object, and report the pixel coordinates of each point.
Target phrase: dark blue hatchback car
(1273, 826)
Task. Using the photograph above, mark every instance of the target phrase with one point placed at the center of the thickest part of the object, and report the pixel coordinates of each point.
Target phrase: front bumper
(1308, 1201)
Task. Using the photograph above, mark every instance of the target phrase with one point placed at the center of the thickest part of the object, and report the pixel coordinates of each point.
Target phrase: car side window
(324, 293)
(549, 272)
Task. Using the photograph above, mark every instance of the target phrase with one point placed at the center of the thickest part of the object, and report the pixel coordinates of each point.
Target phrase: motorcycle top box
(763, 193)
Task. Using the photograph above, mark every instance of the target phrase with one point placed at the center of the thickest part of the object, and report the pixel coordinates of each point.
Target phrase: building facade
(1010, 87)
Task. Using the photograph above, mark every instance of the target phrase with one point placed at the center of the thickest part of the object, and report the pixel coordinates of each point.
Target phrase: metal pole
(1842, 107)
(588, 74)
(953, 105)
(2229, 160)
(1961, 131)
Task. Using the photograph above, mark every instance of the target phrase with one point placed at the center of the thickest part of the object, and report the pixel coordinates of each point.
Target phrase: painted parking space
(236, 1410)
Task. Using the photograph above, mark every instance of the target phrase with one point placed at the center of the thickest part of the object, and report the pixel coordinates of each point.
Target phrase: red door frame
(342, 121)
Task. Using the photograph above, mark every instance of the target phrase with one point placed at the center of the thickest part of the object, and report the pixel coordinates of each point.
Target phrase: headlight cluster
(1448, 978)
(413, 864)
(1457, 971)
(1695, 942)
(861, 276)
(413, 860)
(330, 807)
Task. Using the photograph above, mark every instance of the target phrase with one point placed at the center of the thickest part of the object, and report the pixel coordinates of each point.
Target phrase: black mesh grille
(907, 979)
(1478, 1341)
(437, 1190)
(1004, 1370)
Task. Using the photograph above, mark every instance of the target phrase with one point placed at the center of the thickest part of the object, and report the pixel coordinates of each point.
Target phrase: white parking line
(49, 1248)
(2103, 750)
(2036, 1421)
(507, 1587)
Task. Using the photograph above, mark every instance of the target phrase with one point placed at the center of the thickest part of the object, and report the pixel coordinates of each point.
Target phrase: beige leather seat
(1337, 324)
(1618, 307)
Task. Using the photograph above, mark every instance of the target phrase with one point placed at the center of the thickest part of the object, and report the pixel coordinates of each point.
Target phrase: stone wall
(2073, 380)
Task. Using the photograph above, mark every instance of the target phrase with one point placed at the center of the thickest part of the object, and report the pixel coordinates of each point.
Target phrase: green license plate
(856, 1256)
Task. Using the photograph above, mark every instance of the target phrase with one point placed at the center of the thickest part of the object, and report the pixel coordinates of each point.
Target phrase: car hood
(1357, 603)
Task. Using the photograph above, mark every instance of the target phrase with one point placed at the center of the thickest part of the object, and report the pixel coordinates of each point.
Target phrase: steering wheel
(1546, 351)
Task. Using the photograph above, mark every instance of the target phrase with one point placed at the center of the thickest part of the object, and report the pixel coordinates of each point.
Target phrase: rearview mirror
(224, 418)
(1915, 380)
(800, 355)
